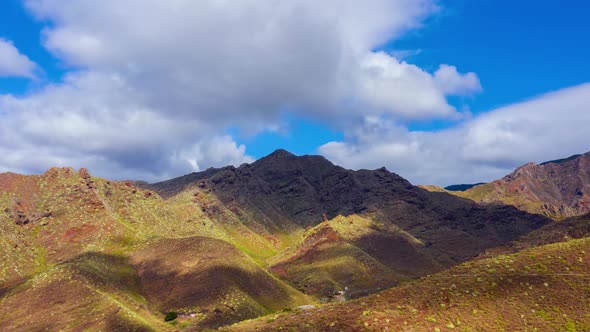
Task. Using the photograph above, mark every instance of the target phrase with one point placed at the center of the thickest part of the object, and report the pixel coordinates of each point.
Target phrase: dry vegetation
(84, 253)
(545, 288)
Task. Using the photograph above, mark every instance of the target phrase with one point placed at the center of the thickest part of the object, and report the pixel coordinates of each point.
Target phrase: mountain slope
(326, 261)
(50, 218)
(210, 279)
(111, 256)
(91, 292)
(539, 289)
(279, 198)
(557, 189)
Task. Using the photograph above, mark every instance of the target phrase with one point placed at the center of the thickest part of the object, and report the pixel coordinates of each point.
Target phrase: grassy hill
(80, 252)
(543, 288)
(91, 292)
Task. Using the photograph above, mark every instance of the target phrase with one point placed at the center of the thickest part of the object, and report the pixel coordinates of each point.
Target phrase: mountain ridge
(233, 243)
(280, 197)
(557, 189)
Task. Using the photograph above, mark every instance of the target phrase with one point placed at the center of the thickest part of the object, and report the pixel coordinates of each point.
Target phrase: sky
(440, 92)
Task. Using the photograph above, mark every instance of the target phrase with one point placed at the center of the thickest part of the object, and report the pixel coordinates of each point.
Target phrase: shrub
(170, 316)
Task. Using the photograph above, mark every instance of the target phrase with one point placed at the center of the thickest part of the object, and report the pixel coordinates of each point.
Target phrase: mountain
(542, 288)
(557, 189)
(462, 187)
(80, 252)
(228, 244)
(324, 228)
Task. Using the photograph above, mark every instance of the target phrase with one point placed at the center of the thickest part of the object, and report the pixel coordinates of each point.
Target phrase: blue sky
(221, 99)
(17, 25)
(519, 49)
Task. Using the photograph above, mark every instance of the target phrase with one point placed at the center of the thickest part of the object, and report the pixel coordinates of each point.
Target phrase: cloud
(13, 63)
(483, 148)
(405, 90)
(451, 82)
(242, 60)
(153, 86)
(97, 120)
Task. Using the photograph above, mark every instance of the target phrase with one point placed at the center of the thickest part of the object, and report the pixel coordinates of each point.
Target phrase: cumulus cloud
(13, 63)
(405, 90)
(483, 148)
(153, 86)
(451, 82)
(244, 60)
(97, 120)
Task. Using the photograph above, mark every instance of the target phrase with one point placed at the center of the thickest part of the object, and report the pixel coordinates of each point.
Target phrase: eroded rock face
(557, 189)
(86, 179)
(22, 218)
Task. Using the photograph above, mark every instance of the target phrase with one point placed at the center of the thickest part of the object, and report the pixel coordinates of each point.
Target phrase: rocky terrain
(358, 229)
(225, 245)
(557, 189)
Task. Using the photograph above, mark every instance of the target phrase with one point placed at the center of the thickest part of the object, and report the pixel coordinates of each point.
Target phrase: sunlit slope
(49, 218)
(61, 230)
(557, 189)
(545, 288)
(353, 253)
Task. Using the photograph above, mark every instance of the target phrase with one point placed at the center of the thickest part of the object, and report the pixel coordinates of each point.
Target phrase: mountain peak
(281, 153)
(556, 188)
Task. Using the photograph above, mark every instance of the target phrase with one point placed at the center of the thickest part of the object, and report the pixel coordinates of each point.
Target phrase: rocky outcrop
(557, 189)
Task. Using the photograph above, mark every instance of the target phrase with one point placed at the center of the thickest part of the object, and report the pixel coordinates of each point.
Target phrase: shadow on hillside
(452, 230)
(219, 294)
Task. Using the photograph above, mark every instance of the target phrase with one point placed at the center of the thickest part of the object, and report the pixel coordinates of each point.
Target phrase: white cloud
(402, 89)
(451, 82)
(97, 120)
(484, 148)
(13, 63)
(153, 86)
(242, 60)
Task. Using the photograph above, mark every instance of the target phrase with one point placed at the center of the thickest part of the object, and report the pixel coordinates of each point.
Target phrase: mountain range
(229, 244)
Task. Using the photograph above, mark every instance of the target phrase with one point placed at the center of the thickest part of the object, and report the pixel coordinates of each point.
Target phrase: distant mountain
(325, 228)
(557, 189)
(462, 187)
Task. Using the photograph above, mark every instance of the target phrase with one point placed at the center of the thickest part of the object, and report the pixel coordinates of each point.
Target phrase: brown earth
(210, 279)
(557, 189)
(84, 253)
